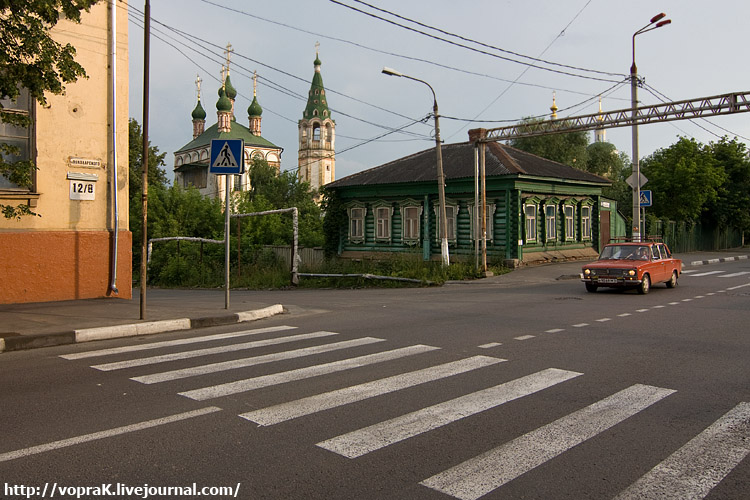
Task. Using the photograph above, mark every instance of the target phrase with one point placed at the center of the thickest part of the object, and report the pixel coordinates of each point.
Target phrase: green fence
(687, 237)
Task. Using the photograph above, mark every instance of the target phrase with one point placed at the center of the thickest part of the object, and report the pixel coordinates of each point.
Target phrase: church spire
(553, 108)
(198, 114)
(254, 110)
(600, 134)
(317, 106)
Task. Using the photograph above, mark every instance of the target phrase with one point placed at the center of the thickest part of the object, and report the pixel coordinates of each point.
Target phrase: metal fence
(309, 256)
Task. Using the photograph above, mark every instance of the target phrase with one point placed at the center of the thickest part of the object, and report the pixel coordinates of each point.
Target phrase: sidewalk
(25, 326)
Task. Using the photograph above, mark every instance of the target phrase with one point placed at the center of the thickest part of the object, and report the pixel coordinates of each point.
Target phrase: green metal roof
(239, 131)
(316, 100)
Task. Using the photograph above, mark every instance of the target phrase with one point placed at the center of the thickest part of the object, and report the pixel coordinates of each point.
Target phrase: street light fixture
(441, 177)
(656, 22)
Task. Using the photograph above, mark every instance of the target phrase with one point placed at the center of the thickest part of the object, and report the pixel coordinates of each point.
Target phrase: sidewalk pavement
(41, 324)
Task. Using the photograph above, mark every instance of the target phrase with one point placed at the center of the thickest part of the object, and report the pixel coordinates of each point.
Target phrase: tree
(604, 159)
(30, 59)
(685, 179)
(570, 148)
(730, 209)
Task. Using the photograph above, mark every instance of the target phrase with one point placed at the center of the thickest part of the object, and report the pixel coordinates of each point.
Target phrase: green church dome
(229, 88)
(223, 104)
(199, 113)
(254, 109)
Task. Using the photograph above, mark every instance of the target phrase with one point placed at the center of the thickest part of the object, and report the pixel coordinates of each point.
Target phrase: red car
(632, 265)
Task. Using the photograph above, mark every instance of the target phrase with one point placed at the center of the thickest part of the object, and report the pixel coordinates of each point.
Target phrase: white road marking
(699, 297)
(253, 361)
(642, 310)
(658, 307)
(740, 286)
(687, 300)
(524, 337)
(604, 320)
(734, 275)
(674, 303)
(117, 431)
(302, 373)
(313, 404)
(624, 315)
(555, 330)
(490, 345)
(170, 343)
(708, 273)
(487, 472)
(580, 325)
(689, 271)
(212, 350)
(360, 442)
(695, 469)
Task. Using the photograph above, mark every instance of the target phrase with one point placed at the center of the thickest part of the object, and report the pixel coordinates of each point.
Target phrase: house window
(550, 222)
(410, 223)
(383, 223)
(585, 223)
(15, 136)
(357, 224)
(530, 214)
(450, 217)
(476, 223)
(569, 222)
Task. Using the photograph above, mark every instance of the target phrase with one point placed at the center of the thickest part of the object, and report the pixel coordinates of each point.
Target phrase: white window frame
(586, 222)
(531, 222)
(550, 222)
(451, 215)
(476, 225)
(383, 227)
(570, 222)
(357, 222)
(407, 225)
(21, 137)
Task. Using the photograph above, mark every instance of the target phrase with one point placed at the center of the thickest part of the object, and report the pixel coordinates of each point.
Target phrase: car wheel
(645, 285)
(673, 281)
(590, 287)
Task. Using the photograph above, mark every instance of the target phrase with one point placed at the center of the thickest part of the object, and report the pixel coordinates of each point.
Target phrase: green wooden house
(537, 209)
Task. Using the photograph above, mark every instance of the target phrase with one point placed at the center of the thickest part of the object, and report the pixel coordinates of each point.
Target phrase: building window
(450, 216)
(357, 224)
(530, 215)
(196, 177)
(569, 222)
(476, 223)
(383, 223)
(15, 136)
(410, 223)
(585, 223)
(550, 222)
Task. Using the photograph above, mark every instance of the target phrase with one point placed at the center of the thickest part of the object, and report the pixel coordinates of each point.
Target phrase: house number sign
(82, 190)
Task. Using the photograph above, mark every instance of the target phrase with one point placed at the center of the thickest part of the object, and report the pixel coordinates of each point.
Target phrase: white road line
(708, 273)
(555, 330)
(302, 373)
(524, 337)
(119, 365)
(624, 315)
(687, 300)
(117, 431)
(736, 287)
(360, 442)
(659, 307)
(490, 345)
(699, 297)
(642, 310)
(487, 472)
(734, 275)
(170, 343)
(580, 325)
(689, 271)
(604, 320)
(253, 361)
(696, 468)
(313, 404)
(674, 303)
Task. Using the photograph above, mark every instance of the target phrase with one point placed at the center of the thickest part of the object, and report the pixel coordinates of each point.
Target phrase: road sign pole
(226, 243)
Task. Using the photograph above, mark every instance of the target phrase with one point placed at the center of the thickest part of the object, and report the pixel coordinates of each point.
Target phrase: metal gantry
(724, 104)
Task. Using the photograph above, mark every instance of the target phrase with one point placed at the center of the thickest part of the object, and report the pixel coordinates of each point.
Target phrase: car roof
(633, 243)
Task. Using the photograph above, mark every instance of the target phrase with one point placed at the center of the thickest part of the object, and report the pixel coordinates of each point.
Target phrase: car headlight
(587, 271)
(631, 272)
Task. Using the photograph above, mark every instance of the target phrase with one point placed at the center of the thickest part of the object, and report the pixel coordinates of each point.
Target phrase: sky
(490, 63)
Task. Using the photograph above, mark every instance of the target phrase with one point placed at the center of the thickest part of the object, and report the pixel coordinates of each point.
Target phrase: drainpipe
(113, 80)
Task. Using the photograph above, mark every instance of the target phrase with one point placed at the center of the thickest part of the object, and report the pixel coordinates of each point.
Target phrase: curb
(23, 342)
(717, 261)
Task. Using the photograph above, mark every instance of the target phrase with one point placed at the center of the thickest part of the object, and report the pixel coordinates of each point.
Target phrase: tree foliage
(32, 60)
(685, 179)
(569, 149)
(730, 208)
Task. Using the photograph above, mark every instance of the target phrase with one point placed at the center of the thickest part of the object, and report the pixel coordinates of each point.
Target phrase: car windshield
(630, 252)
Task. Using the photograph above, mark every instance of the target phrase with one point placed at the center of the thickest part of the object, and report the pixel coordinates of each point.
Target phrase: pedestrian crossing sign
(227, 157)
(646, 198)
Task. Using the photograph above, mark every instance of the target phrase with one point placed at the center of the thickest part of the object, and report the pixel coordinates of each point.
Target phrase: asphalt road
(534, 390)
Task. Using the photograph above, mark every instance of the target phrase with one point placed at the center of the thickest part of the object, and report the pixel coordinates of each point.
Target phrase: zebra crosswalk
(692, 471)
(696, 273)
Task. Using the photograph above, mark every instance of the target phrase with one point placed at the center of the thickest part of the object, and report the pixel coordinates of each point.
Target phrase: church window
(315, 112)
(316, 132)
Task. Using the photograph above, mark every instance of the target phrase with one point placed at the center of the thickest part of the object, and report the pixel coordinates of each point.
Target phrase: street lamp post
(440, 176)
(656, 22)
